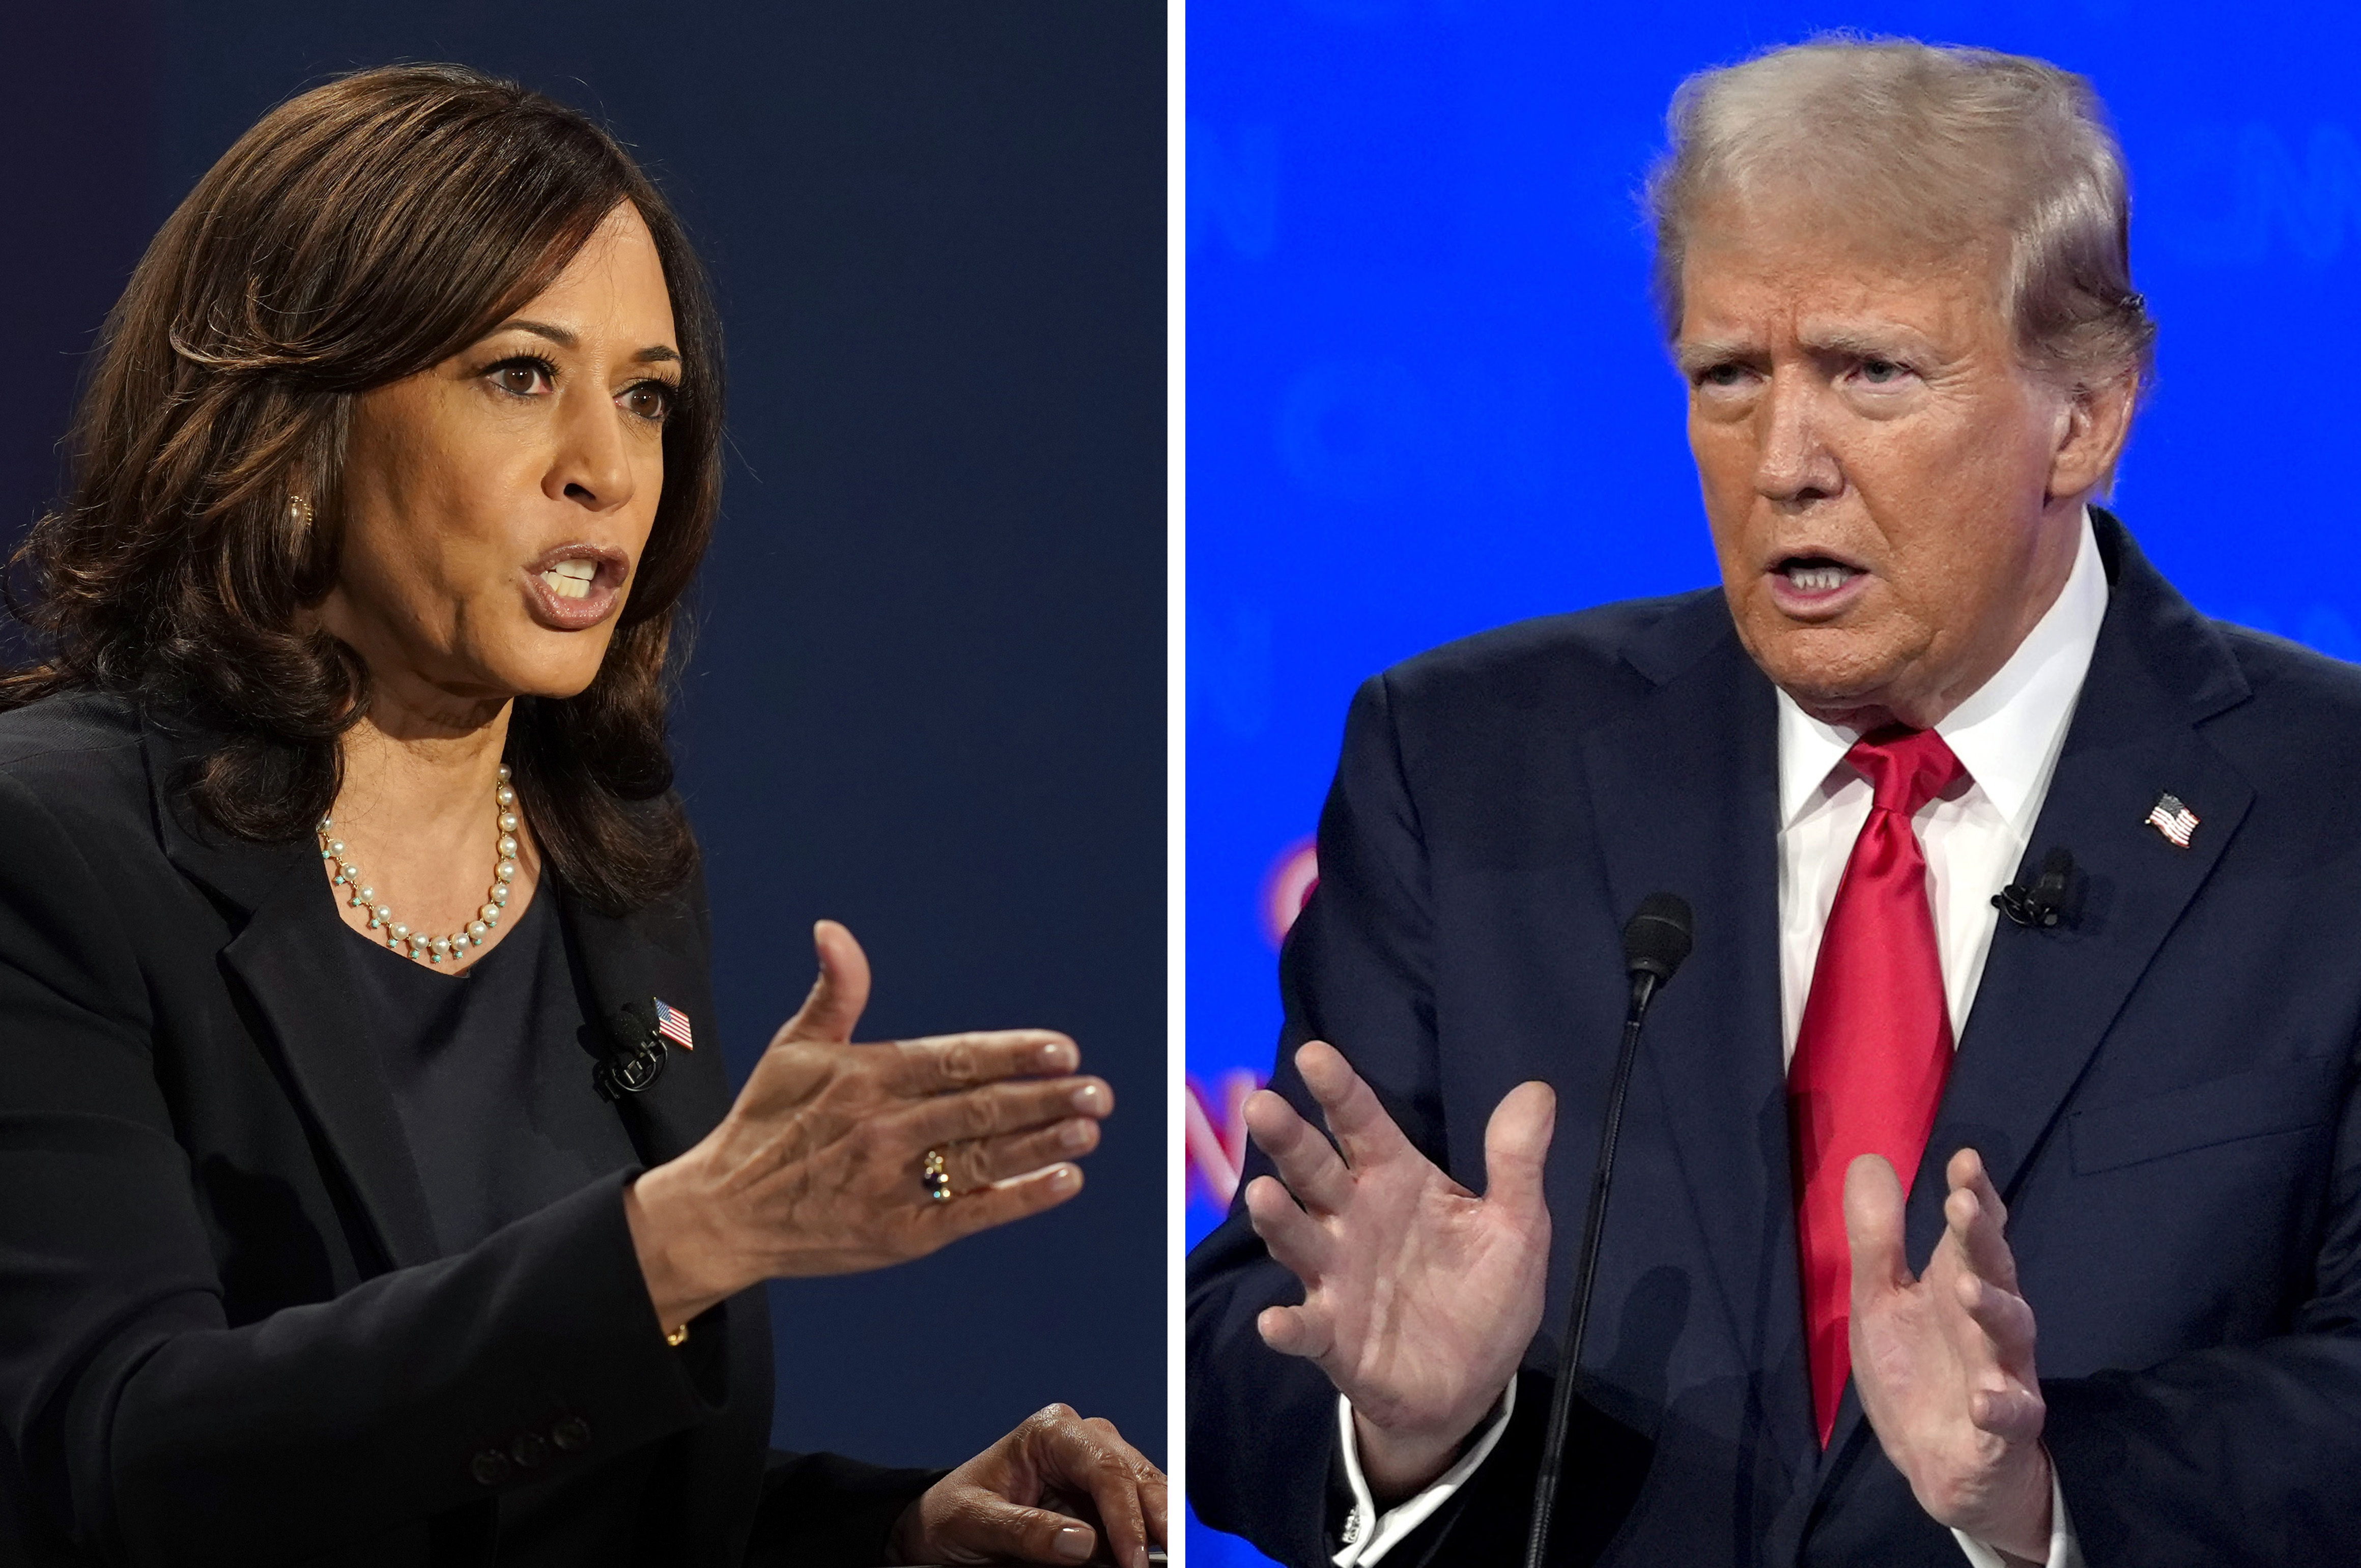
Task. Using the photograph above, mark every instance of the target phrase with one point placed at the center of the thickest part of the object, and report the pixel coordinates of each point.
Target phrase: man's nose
(1792, 464)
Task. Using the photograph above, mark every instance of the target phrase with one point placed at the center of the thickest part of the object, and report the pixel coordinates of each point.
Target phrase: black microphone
(2047, 901)
(1656, 940)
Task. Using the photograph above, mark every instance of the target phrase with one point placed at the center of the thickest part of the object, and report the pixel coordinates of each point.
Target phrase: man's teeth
(571, 579)
(1818, 579)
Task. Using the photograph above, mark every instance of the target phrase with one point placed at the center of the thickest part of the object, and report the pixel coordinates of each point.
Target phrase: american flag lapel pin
(2170, 816)
(673, 1024)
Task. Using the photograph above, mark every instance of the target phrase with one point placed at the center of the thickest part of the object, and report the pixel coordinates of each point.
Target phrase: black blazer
(2163, 1090)
(226, 1336)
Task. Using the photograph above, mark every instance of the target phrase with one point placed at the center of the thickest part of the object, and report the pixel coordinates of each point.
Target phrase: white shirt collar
(2007, 732)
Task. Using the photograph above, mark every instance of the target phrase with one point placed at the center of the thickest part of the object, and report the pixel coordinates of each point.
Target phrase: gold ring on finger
(934, 1174)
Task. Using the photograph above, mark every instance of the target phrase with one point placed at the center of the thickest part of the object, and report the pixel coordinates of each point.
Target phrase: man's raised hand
(1419, 1296)
(1945, 1362)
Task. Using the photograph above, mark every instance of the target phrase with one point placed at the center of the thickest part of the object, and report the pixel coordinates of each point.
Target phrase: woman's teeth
(1818, 579)
(571, 579)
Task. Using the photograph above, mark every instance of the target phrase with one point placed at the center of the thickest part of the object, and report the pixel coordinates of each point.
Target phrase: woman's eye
(522, 377)
(649, 399)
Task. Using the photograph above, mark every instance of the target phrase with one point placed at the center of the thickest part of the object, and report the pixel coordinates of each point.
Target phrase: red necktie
(1875, 1044)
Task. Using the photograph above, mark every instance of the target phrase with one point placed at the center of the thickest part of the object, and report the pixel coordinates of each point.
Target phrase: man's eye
(1882, 372)
(1721, 375)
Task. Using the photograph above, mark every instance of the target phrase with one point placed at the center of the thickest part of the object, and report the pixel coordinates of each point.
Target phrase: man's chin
(1838, 675)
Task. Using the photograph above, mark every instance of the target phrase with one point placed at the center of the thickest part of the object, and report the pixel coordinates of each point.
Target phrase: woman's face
(496, 506)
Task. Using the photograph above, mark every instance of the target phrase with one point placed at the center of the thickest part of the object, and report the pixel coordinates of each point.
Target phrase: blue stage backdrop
(928, 692)
(1426, 394)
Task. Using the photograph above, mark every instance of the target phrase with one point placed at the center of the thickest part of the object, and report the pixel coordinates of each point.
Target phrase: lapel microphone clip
(2048, 899)
(640, 1062)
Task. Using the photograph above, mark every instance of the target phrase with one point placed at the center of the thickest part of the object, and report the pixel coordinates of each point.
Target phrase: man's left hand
(1057, 1489)
(1945, 1362)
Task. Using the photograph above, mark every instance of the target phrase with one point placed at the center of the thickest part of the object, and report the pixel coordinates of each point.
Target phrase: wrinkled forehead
(1804, 249)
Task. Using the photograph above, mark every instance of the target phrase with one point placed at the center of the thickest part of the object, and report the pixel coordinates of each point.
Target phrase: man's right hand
(1419, 1296)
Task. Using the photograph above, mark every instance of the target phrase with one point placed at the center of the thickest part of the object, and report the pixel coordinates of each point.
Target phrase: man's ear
(2091, 430)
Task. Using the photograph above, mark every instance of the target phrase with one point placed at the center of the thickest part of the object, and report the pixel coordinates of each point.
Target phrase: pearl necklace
(417, 944)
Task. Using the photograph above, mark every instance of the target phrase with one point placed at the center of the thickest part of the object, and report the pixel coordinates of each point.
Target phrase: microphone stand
(1643, 991)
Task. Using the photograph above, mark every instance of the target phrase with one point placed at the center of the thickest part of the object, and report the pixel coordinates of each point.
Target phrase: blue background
(1427, 395)
(928, 694)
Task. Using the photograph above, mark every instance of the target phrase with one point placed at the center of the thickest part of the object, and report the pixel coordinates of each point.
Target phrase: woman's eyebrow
(656, 352)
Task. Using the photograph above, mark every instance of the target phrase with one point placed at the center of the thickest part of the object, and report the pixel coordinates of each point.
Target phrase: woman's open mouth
(575, 587)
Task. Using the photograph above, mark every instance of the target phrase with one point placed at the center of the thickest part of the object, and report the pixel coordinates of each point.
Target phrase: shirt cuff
(2065, 1552)
(1369, 1535)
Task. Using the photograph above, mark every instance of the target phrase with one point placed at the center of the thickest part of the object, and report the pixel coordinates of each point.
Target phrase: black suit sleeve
(151, 1429)
(823, 1511)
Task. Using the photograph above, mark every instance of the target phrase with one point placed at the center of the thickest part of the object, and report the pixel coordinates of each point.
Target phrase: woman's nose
(593, 466)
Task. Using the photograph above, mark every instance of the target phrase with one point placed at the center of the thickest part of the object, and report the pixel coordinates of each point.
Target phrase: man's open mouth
(1816, 573)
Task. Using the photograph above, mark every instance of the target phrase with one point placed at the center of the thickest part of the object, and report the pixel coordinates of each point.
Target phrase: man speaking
(1942, 1231)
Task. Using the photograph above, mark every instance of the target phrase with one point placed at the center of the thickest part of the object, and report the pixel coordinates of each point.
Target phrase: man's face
(1881, 475)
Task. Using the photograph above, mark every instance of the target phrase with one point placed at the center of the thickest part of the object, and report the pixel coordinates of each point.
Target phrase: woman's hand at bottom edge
(1057, 1489)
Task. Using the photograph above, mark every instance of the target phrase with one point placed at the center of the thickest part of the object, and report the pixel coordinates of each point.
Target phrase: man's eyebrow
(1701, 354)
(1865, 343)
(654, 354)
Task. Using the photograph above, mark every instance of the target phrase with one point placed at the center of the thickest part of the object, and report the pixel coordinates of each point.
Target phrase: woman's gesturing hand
(820, 1166)
(1057, 1489)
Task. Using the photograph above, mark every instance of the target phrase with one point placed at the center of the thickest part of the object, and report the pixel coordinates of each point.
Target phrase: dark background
(928, 697)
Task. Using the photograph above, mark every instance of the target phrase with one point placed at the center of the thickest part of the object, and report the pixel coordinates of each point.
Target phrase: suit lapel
(647, 954)
(2047, 996)
(1686, 797)
(286, 952)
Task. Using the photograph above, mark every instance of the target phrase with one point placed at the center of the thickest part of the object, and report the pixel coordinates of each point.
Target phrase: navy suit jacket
(2163, 1091)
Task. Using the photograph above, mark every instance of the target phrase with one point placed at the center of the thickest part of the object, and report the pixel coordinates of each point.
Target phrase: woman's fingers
(998, 1108)
(942, 1063)
(841, 993)
(982, 1161)
(980, 1525)
(1089, 1458)
(940, 1224)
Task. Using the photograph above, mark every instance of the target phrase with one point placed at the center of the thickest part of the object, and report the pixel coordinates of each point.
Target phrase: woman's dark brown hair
(359, 233)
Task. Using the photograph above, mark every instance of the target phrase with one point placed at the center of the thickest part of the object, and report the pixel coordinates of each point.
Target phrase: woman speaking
(375, 1193)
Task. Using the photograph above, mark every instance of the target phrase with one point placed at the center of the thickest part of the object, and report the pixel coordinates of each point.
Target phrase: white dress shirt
(2007, 737)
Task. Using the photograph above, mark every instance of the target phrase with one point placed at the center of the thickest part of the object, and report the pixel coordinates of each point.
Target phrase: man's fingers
(1977, 1220)
(1516, 1143)
(1302, 1330)
(942, 1063)
(1289, 1234)
(1873, 1208)
(1352, 1108)
(997, 1108)
(2014, 1415)
(1307, 1162)
(2003, 1316)
(840, 994)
